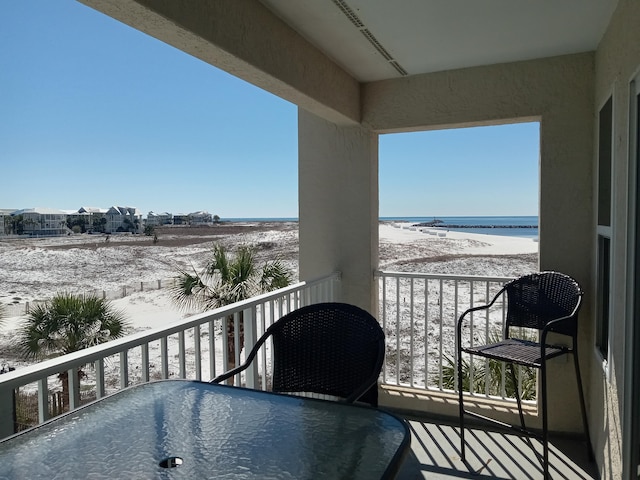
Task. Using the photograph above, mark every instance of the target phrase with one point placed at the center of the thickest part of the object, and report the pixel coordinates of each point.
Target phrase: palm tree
(68, 323)
(227, 279)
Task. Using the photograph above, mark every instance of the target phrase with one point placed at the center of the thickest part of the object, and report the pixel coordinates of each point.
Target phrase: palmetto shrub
(68, 323)
(228, 278)
(494, 372)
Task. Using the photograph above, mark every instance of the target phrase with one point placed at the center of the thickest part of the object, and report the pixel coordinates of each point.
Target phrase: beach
(37, 269)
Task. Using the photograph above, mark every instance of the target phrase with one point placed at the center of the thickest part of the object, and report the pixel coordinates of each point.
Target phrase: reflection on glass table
(188, 429)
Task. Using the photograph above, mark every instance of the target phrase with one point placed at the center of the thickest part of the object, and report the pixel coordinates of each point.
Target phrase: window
(605, 133)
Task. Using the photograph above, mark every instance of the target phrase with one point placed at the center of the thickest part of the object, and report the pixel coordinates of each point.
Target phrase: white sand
(29, 269)
(459, 242)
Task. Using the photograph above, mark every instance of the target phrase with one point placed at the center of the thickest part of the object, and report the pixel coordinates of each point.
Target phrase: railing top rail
(438, 276)
(35, 372)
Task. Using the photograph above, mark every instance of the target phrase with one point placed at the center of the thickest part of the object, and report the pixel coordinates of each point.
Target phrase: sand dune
(38, 269)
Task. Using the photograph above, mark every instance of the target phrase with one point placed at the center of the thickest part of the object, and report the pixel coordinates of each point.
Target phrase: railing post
(7, 412)
(124, 369)
(74, 388)
(250, 339)
(43, 400)
(182, 360)
(197, 352)
(225, 344)
(99, 368)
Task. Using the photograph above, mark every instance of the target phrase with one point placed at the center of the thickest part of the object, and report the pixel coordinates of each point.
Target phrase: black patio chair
(547, 302)
(326, 348)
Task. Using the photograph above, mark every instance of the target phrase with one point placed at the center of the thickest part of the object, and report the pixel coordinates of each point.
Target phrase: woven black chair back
(328, 348)
(534, 300)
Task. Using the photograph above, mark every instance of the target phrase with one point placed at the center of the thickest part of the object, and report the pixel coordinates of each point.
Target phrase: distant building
(155, 219)
(43, 221)
(91, 219)
(5, 214)
(123, 219)
(181, 219)
(200, 218)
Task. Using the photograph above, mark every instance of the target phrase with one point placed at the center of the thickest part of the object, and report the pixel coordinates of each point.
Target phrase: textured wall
(338, 201)
(617, 62)
(559, 93)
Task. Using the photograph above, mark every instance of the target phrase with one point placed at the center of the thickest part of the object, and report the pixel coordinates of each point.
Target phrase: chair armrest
(553, 324)
(373, 379)
(254, 351)
(226, 375)
(464, 314)
(549, 328)
(471, 310)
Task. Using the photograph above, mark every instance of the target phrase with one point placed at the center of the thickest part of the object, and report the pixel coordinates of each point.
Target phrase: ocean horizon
(510, 226)
(525, 226)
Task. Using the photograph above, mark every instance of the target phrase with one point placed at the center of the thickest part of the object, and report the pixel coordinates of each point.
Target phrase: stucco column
(338, 205)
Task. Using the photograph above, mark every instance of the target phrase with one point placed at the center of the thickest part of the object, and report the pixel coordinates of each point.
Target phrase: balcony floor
(491, 454)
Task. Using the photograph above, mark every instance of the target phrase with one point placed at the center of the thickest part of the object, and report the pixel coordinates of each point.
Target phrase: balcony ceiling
(382, 39)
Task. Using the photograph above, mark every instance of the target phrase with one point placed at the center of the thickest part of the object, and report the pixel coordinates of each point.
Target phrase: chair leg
(512, 369)
(583, 407)
(545, 432)
(524, 427)
(461, 406)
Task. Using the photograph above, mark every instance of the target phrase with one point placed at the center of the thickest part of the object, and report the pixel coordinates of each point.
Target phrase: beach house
(154, 219)
(123, 219)
(201, 217)
(358, 70)
(90, 219)
(43, 221)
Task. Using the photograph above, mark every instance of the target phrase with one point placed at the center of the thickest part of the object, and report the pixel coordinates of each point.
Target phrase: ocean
(523, 226)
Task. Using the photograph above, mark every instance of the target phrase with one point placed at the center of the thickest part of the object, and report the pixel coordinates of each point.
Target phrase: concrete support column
(338, 206)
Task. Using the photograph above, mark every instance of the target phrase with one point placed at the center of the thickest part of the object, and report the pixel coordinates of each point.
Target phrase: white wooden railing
(190, 348)
(419, 313)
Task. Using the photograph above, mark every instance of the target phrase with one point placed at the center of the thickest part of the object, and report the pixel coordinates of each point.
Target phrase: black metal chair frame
(333, 349)
(547, 302)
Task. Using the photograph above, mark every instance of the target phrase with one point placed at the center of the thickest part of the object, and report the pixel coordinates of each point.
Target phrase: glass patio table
(190, 429)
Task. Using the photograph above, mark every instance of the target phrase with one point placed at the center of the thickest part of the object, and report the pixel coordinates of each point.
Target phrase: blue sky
(94, 113)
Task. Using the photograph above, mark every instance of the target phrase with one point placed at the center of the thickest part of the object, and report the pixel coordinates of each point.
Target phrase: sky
(94, 113)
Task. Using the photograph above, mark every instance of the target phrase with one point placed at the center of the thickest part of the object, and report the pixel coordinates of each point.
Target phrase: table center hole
(171, 462)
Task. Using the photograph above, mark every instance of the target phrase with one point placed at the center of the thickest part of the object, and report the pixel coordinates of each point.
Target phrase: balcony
(418, 314)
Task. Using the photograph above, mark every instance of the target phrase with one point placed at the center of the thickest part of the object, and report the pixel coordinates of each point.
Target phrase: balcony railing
(419, 313)
(194, 347)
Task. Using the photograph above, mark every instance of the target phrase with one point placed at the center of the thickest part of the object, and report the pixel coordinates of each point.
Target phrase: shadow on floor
(491, 454)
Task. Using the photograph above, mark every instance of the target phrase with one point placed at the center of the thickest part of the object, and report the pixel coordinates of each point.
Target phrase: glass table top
(188, 429)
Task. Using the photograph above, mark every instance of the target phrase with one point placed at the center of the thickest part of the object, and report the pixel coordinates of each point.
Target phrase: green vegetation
(494, 372)
(66, 324)
(14, 224)
(78, 225)
(227, 279)
(100, 225)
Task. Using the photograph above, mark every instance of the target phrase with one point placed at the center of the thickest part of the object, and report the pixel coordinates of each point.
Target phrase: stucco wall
(617, 60)
(338, 205)
(559, 93)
